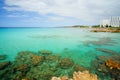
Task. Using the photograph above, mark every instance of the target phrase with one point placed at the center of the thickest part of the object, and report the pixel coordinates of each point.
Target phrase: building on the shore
(113, 21)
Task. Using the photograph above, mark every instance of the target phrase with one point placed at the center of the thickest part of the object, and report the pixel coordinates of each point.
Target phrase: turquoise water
(78, 44)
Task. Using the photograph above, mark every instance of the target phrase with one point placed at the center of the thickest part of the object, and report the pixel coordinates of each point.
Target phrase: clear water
(77, 44)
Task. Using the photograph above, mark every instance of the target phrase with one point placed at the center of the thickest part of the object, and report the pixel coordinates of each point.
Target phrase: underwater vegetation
(44, 65)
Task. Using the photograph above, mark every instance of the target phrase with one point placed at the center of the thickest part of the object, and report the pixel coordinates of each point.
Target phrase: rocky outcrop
(107, 66)
(112, 64)
(85, 75)
(105, 30)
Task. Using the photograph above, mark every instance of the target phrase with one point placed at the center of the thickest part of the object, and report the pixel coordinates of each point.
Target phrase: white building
(113, 21)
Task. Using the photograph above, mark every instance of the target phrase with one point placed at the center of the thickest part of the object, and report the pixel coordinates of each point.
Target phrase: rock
(2, 57)
(4, 64)
(64, 78)
(55, 78)
(105, 30)
(112, 64)
(85, 75)
(23, 57)
(37, 59)
(23, 67)
(65, 63)
(108, 66)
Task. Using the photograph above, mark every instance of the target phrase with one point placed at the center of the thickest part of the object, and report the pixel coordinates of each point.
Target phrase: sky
(56, 13)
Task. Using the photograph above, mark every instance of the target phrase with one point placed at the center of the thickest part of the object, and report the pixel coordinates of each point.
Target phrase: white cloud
(87, 10)
(33, 20)
(56, 18)
(16, 15)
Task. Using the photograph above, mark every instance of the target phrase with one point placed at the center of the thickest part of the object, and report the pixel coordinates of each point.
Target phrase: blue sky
(53, 13)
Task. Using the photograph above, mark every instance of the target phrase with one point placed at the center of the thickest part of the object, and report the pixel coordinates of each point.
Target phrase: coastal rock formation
(106, 30)
(85, 75)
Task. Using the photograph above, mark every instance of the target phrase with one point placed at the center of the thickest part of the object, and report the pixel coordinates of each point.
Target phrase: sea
(78, 44)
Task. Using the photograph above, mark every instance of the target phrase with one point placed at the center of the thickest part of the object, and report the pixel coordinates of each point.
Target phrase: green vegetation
(95, 26)
(80, 26)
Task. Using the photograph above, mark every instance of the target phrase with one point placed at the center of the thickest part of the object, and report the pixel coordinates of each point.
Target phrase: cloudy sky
(52, 13)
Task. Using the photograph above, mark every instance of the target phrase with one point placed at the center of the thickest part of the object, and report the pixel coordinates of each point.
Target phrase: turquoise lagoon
(75, 43)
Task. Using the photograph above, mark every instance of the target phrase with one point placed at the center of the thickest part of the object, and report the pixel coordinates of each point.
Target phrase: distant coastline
(112, 29)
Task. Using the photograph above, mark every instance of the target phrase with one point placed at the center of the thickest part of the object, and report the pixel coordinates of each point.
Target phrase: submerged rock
(24, 57)
(23, 68)
(112, 64)
(102, 41)
(108, 66)
(85, 75)
(52, 58)
(4, 64)
(37, 59)
(65, 63)
(107, 51)
(112, 57)
(2, 57)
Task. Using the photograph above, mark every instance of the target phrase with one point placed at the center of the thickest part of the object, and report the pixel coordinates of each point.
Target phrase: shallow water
(72, 42)
(81, 45)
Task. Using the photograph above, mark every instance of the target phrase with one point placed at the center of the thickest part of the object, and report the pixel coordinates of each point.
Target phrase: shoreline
(116, 30)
